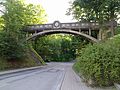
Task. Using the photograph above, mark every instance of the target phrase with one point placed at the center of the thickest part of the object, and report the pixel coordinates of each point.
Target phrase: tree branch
(2, 11)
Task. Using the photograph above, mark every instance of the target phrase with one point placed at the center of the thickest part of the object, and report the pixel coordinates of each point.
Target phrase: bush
(10, 47)
(100, 62)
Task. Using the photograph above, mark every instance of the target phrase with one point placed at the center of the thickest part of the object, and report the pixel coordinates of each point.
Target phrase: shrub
(10, 47)
(100, 62)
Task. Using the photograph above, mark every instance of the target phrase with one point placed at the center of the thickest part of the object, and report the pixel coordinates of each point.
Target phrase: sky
(55, 9)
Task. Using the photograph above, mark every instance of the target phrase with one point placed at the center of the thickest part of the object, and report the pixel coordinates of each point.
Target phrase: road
(54, 76)
(47, 78)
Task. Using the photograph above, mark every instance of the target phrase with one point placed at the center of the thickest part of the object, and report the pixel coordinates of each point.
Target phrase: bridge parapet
(74, 25)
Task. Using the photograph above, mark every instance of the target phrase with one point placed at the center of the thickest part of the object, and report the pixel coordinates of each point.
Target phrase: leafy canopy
(95, 10)
(15, 15)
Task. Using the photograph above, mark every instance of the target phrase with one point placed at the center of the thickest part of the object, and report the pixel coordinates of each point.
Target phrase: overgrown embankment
(14, 49)
(28, 61)
(99, 63)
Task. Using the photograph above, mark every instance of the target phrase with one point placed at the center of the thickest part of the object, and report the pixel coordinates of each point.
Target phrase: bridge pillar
(35, 32)
(79, 30)
(27, 34)
(89, 31)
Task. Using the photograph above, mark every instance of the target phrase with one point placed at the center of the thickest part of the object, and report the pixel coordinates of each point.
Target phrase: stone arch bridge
(89, 30)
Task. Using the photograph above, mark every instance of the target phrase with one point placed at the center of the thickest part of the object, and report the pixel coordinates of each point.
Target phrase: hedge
(100, 62)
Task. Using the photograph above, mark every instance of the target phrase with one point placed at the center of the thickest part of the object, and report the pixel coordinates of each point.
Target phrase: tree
(10, 48)
(95, 10)
(16, 15)
(59, 47)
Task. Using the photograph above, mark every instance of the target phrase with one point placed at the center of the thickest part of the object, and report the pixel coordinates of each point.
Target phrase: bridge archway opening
(64, 43)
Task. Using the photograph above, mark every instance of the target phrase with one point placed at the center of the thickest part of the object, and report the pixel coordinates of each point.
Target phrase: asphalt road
(47, 78)
(54, 76)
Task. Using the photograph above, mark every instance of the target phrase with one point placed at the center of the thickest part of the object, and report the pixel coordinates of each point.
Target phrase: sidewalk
(19, 70)
(73, 82)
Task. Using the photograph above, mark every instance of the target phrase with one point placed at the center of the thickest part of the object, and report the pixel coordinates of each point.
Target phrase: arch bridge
(89, 30)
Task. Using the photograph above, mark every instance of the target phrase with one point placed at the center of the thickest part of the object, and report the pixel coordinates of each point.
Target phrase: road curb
(117, 86)
(19, 70)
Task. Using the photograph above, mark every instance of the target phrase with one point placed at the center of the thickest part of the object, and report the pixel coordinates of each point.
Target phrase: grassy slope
(27, 62)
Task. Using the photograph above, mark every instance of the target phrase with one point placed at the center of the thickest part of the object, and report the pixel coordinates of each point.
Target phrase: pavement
(54, 76)
(19, 70)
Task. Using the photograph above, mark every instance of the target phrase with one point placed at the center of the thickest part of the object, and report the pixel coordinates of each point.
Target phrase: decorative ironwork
(56, 24)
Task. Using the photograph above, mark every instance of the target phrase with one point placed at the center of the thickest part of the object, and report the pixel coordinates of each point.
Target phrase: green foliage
(3, 64)
(101, 62)
(59, 47)
(95, 10)
(35, 14)
(1, 23)
(16, 15)
(26, 62)
(117, 30)
(38, 56)
(10, 48)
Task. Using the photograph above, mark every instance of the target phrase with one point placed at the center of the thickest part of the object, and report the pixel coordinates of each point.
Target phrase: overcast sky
(55, 9)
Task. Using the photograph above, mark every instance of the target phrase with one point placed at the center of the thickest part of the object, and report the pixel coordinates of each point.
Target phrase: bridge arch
(84, 29)
(68, 31)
